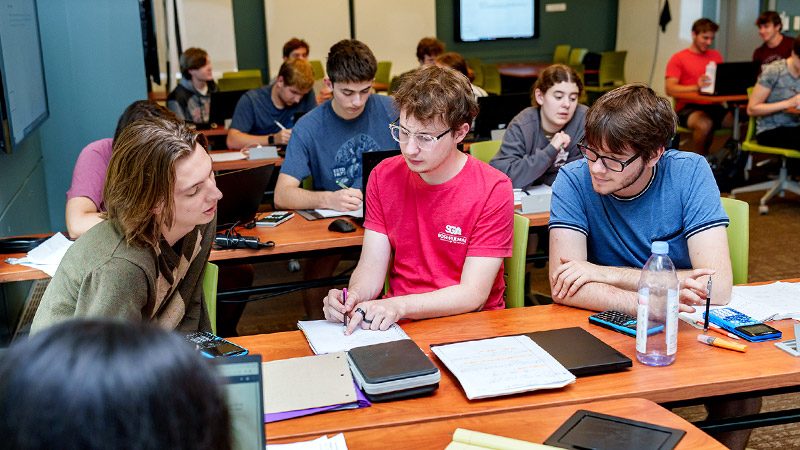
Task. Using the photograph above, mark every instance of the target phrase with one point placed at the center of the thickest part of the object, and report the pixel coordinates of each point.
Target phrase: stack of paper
(328, 337)
(766, 302)
(475, 440)
(502, 366)
(321, 443)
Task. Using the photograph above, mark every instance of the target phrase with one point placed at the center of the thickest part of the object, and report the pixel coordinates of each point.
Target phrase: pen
(344, 291)
(708, 304)
(342, 185)
(280, 125)
(719, 330)
(721, 343)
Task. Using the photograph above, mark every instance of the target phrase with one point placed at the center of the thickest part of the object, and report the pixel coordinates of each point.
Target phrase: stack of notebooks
(386, 365)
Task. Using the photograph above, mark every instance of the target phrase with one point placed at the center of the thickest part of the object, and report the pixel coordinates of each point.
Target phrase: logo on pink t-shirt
(452, 234)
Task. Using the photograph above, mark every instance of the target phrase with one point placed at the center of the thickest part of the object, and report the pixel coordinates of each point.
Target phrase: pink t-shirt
(89, 174)
(687, 67)
(433, 228)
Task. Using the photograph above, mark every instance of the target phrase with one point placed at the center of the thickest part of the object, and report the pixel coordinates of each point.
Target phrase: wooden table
(523, 69)
(218, 131)
(793, 110)
(543, 422)
(241, 163)
(699, 371)
(733, 100)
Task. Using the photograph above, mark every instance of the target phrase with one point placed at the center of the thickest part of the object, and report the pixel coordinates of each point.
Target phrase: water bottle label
(672, 321)
(641, 318)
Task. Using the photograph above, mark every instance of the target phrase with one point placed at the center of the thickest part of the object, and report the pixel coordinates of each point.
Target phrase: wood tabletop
(723, 372)
(241, 163)
(696, 97)
(523, 69)
(437, 434)
(793, 110)
(218, 131)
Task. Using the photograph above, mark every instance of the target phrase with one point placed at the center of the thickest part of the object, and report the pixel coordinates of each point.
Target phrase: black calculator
(743, 325)
(621, 322)
(213, 346)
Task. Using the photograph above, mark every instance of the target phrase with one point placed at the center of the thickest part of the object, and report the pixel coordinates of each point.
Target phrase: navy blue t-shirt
(329, 148)
(256, 114)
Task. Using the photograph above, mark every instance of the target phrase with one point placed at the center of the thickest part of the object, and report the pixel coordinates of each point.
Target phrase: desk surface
(793, 110)
(724, 372)
(694, 96)
(523, 69)
(437, 434)
(241, 163)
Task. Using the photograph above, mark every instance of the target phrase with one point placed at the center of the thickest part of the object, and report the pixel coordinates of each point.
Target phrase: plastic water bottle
(658, 309)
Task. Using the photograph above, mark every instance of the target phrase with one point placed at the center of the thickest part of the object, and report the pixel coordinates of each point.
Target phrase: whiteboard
(321, 23)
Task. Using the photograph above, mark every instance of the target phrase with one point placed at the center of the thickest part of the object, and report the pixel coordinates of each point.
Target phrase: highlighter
(721, 343)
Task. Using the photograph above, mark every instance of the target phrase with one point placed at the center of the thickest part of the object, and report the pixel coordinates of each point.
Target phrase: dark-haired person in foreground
(628, 191)
(98, 385)
(85, 197)
(145, 262)
(443, 218)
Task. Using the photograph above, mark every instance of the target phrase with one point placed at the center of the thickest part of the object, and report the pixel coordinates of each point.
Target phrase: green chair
(477, 69)
(491, 79)
(576, 56)
(319, 71)
(611, 73)
(514, 266)
(242, 73)
(779, 186)
(738, 237)
(210, 278)
(561, 54)
(484, 150)
(383, 74)
(239, 83)
(307, 183)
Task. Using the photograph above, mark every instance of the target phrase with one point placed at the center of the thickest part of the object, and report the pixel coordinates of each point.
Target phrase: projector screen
(22, 86)
(485, 20)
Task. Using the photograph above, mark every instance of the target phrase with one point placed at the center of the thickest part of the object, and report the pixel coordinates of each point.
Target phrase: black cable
(311, 284)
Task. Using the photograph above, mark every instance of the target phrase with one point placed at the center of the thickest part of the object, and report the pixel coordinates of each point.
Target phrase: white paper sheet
(328, 337)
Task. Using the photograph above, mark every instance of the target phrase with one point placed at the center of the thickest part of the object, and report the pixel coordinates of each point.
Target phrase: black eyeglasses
(611, 164)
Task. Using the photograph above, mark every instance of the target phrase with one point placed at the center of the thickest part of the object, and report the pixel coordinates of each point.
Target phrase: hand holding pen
(282, 137)
(345, 199)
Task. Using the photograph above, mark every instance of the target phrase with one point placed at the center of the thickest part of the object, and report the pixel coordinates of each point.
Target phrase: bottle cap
(660, 247)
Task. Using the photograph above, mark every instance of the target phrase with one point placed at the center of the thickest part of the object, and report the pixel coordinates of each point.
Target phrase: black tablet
(587, 429)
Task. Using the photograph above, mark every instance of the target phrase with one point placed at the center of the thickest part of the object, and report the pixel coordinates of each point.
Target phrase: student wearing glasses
(627, 192)
(544, 137)
(441, 217)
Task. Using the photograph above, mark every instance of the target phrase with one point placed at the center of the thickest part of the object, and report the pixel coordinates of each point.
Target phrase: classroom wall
(588, 24)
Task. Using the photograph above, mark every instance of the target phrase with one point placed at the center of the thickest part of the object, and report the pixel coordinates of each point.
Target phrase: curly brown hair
(432, 93)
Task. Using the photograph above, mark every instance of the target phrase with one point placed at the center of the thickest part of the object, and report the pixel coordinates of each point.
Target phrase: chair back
(477, 69)
(751, 124)
(576, 56)
(383, 73)
(242, 73)
(738, 237)
(210, 279)
(561, 54)
(491, 79)
(319, 71)
(514, 266)
(239, 83)
(484, 150)
(612, 68)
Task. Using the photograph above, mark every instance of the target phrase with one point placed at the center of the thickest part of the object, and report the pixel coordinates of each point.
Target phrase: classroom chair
(319, 71)
(491, 79)
(681, 129)
(477, 69)
(383, 73)
(210, 278)
(561, 54)
(239, 83)
(242, 73)
(610, 75)
(738, 237)
(779, 186)
(514, 266)
(576, 56)
(484, 150)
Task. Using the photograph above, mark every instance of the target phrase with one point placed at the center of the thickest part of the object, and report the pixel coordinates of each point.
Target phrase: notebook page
(328, 337)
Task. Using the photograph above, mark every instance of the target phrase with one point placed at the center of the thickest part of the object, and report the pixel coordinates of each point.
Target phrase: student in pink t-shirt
(443, 218)
(686, 73)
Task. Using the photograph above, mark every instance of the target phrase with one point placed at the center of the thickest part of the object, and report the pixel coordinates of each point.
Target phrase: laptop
(223, 104)
(580, 352)
(245, 398)
(242, 192)
(370, 160)
(496, 112)
(734, 78)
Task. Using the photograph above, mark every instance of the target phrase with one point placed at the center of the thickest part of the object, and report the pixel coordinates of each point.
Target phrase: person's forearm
(675, 88)
(291, 197)
(449, 301)
(602, 297)
(237, 140)
(764, 109)
(367, 281)
(78, 224)
(720, 289)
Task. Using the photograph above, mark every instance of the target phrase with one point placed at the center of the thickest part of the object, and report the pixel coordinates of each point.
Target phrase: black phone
(213, 346)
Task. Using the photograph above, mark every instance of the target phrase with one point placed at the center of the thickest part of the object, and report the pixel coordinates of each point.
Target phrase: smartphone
(622, 323)
(742, 325)
(213, 346)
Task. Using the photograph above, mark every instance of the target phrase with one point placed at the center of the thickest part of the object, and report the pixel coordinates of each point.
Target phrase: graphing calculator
(213, 346)
(742, 325)
(621, 322)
